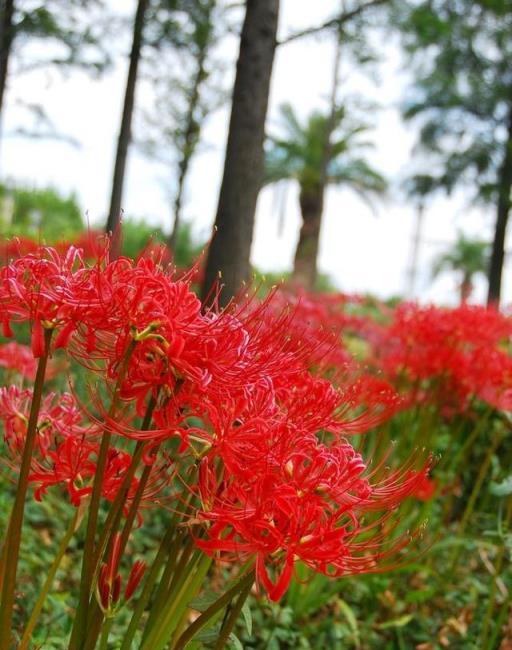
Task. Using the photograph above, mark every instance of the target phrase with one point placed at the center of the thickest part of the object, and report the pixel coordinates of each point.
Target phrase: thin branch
(334, 22)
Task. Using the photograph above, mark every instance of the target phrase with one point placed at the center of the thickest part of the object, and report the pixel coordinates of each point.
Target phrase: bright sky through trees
(360, 251)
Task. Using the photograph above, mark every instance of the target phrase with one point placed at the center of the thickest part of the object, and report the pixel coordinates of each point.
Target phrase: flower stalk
(89, 556)
(16, 521)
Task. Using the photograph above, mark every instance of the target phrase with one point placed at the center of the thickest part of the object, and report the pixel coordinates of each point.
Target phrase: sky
(360, 250)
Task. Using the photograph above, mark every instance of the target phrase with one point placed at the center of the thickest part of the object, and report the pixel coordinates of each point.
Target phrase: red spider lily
(19, 358)
(14, 356)
(139, 301)
(284, 495)
(426, 489)
(38, 288)
(58, 416)
(16, 247)
(276, 478)
(69, 465)
(72, 464)
(459, 350)
(66, 450)
(309, 506)
(358, 405)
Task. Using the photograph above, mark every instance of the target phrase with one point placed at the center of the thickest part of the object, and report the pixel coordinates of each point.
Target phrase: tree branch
(334, 22)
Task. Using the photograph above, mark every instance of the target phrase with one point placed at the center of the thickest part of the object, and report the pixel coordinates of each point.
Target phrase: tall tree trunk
(178, 199)
(126, 120)
(466, 288)
(191, 132)
(243, 168)
(502, 214)
(6, 39)
(306, 253)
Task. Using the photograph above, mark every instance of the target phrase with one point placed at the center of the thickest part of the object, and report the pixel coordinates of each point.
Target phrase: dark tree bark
(243, 168)
(6, 39)
(306, 253)
(126, 120)
(466, 288)
(502, 215)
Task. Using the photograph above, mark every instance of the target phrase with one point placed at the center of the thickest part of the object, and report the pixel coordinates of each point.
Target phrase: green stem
(173, 575)
(466, 447)
(72, 528)
(497, 572)
(170, 580)
(233, 615)
(500, 621)
(116, 510)
(105, 633)
(134, 506)
(95, 614)
(16, 522)
(143, 599)
(89, 556)
(484, 468)
(170, 616)
(244, 584)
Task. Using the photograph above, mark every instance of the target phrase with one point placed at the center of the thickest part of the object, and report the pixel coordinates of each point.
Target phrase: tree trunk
(466, 288)
(230, 249)
(6, 39)
(126, 120)
(502, 214)
(191, 136)
(305, 263)
(173, 237)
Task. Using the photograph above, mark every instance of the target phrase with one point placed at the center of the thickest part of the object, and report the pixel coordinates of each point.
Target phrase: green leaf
(348, 612)
(235, 642)
(202, 602)
(402, 621)
(246, 613)
(420, 595)
(273, 644)
(209, 634)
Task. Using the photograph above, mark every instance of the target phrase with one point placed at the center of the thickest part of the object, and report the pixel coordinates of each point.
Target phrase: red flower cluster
(14, 356)
(440, 355)
(277, 480)
(449, 355)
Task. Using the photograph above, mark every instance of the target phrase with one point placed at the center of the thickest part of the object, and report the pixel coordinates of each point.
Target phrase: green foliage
(29, 212)
(187, 249)
(460, 56)
(137, 234)
(266, 281)
(74, 37)
(71, 35)
(300, 153)
(467, 256)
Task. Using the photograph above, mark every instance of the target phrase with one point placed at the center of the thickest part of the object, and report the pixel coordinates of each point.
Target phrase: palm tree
(467, 257)
(323, 151)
